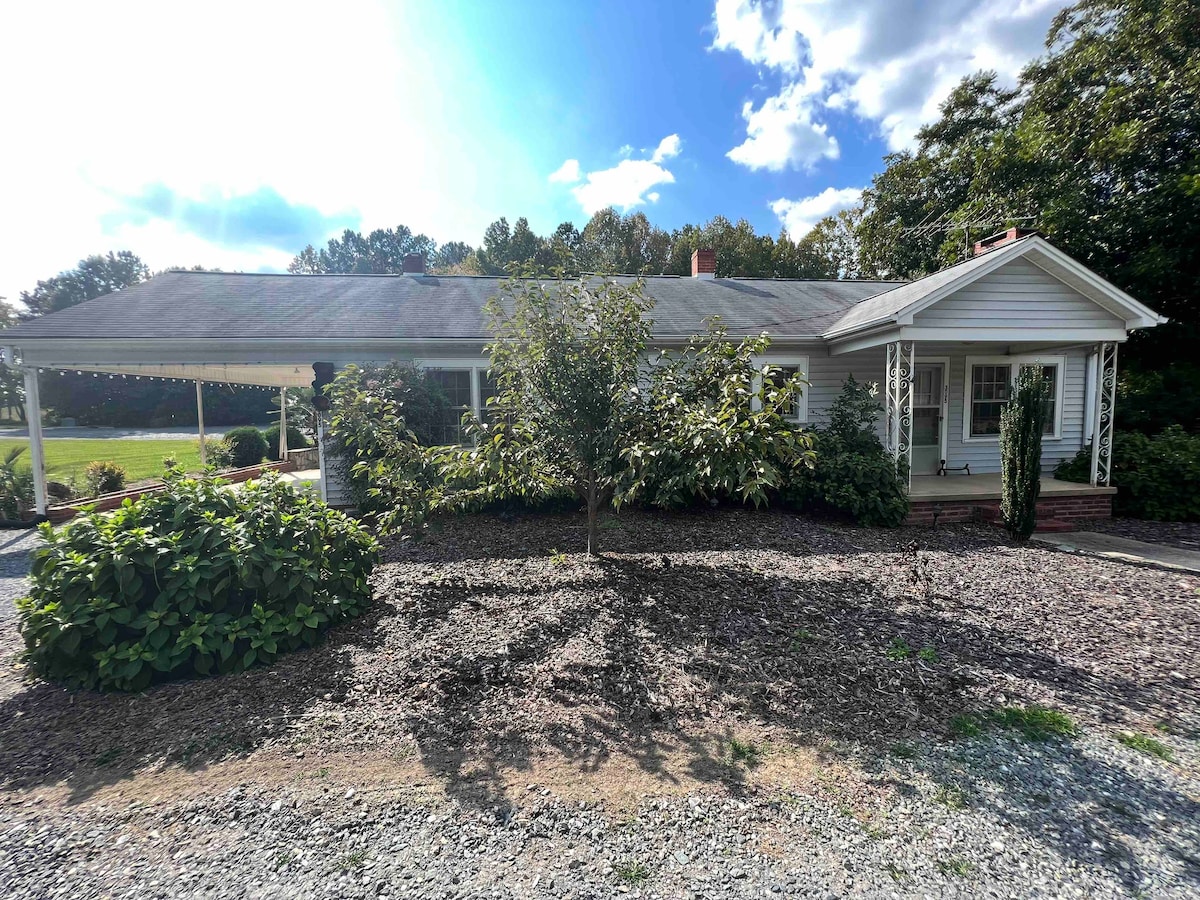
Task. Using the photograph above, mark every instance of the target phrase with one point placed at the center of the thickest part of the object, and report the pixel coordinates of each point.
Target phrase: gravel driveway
(732, 705)
(14, 567)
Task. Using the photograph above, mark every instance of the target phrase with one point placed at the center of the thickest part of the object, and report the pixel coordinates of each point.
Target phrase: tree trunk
(593, 514)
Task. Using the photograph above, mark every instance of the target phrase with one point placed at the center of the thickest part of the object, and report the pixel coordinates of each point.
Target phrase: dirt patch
(710, 649)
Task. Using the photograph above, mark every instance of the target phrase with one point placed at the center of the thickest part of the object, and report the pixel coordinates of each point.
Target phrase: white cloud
(799, 216)
(623, 186)
(667, 148)
(567, 173)
(887, 61)
(630, 182)
(782, 132)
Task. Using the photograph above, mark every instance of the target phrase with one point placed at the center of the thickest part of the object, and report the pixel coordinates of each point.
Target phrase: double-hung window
(990, 385)
(455, 384)
(783, 368)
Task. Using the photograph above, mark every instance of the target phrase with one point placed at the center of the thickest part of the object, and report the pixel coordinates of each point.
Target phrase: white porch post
(321, 457)
(37, 456)
(283, 447)
(1105, 409)
(898, 406)
(200, 420)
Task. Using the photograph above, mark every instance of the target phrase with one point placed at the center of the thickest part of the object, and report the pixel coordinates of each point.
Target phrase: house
(944, 349)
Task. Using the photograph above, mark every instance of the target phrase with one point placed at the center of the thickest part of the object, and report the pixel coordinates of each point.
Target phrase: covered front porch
(942, 499)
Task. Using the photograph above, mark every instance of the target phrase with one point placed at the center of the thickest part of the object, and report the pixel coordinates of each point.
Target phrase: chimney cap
(413, 264)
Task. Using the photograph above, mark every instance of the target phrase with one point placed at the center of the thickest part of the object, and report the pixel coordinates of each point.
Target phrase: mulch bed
(492, 642)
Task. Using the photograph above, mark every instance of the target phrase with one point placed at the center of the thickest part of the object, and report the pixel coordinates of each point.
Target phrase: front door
(929, 419)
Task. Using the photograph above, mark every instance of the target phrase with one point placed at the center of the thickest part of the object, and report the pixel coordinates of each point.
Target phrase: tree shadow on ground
(87, 740)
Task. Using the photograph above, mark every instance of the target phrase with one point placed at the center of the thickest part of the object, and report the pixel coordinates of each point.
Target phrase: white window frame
(1016, 362)
(785, 359)
(477, 367)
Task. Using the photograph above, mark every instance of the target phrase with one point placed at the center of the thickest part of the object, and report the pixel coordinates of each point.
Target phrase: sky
(233, 134)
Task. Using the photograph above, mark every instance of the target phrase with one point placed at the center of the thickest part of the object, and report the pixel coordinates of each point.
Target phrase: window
(786, 367)
(781, 375)
(487, 390)
(990, 387)
(456, 385)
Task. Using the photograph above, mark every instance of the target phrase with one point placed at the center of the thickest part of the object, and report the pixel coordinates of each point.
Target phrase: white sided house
(944, 349)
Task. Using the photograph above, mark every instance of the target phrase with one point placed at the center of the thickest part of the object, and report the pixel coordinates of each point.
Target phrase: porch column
(1106, 401)
(37, 456)
(283, 447)
(200, 420)
(898, 404)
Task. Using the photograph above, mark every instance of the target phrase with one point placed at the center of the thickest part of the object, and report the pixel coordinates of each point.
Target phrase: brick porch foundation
(1050, 510)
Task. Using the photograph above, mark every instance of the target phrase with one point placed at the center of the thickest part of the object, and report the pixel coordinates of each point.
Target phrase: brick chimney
(704, 264)
(414, 264)
(1000, 239)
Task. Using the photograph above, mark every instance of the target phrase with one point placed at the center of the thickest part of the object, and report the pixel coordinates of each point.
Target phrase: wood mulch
(493, 642)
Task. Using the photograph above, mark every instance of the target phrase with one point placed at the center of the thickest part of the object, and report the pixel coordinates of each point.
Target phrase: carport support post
(283, 448)
(200, 420)
(37, 456)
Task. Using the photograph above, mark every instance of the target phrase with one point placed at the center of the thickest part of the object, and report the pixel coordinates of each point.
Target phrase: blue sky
(231, 134)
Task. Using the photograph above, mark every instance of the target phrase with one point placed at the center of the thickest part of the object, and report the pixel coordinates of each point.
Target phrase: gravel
(14, 566)
(730, 705)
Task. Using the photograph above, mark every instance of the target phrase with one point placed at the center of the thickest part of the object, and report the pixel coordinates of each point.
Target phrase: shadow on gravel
(86, 740)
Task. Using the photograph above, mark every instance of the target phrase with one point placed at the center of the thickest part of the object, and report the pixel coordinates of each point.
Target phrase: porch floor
(986, 486)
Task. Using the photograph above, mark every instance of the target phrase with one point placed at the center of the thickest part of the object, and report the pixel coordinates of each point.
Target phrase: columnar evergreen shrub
(1156, 477)
(199, 579)
(854, 475)
(1022, 423)
(247, 446)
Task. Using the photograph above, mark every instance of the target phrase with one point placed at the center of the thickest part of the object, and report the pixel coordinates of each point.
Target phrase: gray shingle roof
(226, 305)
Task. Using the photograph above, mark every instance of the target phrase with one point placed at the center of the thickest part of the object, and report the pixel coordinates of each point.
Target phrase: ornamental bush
(104, 477)
(1022, 423)
(297, 440)
(198, 579)
(1156, 477)
(854, 475)
(247, 446)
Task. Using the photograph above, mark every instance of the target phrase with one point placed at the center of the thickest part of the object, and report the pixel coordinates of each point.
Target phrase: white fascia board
(864, 341)
(1014, 335)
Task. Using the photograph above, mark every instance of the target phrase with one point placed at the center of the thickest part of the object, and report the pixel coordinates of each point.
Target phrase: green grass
(745, 752)
(1034, 723)
(1146, 744)
(67, 458)
(632, 872)
(956, 866)
(951, 796)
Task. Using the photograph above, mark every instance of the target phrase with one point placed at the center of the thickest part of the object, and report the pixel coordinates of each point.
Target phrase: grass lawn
(67, 458)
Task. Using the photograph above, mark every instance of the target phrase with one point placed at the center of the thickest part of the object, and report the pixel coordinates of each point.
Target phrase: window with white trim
(455, 384)
(786, 367)
(989, 388)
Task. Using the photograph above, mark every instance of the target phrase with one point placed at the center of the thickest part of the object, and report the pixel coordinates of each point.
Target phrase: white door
(928, 417)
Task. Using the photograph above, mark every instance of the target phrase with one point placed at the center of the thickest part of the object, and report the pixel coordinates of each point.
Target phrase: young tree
(582, 406)
(1022, 423)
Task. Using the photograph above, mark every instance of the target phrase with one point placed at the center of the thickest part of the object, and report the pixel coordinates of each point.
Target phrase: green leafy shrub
(247, 446)
(16, 486)
(296, 439)
(195, 580)
(854, 475)
(218, 453)
(1022, 423)
(103, 477)
(1156, 477)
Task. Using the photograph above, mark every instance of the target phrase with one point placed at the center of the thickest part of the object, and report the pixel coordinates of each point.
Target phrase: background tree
(94, 277)
(381, 252)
